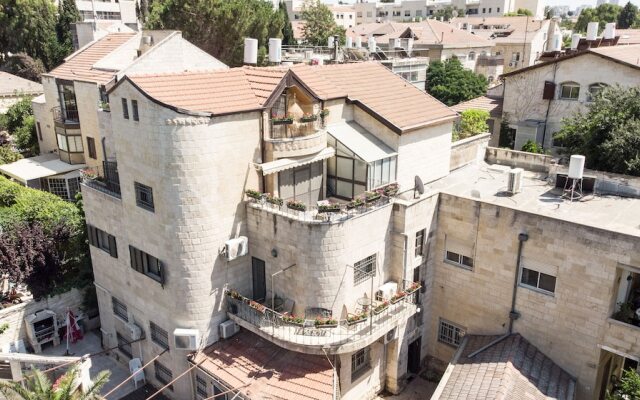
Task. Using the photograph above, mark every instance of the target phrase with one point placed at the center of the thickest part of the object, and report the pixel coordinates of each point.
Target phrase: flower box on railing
(355, 203)
(309, 118)
(325, 208)
(413, 288)
(391, 189)
(296, 205)
(325, 323)
(274, 200)
(380, 307)
(253, 194)
(257, 306)
(89, 174)
(234, 294)
(356, 318)
(292, 320)
(370, 197)
(324, 112)
(282, 120)
(398, 297)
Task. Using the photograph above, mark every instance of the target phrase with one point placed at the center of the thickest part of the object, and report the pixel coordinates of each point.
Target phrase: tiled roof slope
(627, 54)
(268, 371)
(487, 103)
(10, 85)
(628, 36)
(247, 88)
(510, 369)
(79, 66)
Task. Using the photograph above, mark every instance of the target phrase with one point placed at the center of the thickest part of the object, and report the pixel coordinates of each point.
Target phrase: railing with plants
(286, 126)
(65, 116)
(104, 179)
(327, 211)
(329, 331)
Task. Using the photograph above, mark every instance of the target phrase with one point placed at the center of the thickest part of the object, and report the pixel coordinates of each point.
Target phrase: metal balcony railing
(65, 116)
(104, 179)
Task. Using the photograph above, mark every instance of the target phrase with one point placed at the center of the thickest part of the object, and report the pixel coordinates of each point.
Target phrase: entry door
(259, 280)
(413, 362)
(302, 183)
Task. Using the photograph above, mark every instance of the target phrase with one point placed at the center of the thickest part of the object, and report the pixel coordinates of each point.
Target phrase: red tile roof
(79, 66)
(491, 104)
(268, 371)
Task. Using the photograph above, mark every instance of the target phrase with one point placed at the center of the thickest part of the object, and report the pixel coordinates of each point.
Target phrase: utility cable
(133, 374)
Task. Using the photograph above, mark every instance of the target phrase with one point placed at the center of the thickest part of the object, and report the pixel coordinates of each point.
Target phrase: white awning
(286, 163)
(38, 167)
(360, 141)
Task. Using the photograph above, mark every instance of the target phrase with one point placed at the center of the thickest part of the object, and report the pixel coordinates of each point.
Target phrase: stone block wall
(519, 159)
(468, 151)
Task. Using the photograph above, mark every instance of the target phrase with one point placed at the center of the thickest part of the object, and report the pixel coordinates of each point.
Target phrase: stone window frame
(571, 86)
(134, 110)
(159, 336)
(102, 240)
(365, 269)
(450, 333)
(91, 148)
(360, 363)
(147, 264)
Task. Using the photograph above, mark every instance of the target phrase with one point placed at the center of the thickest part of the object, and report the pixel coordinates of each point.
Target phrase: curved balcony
(298, 145)
(310, 337)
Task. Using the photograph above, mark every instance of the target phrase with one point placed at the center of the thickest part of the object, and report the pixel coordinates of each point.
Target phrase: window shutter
(162, 274)
(92, 235)
(132, 255)
(549, 90)
(113, 248)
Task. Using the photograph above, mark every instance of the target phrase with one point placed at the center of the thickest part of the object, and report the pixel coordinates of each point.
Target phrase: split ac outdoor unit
(513, 64)
(228, 329)
(186, 339)
(391, 335)
(135, 333)
(237, 247)
(514, 184)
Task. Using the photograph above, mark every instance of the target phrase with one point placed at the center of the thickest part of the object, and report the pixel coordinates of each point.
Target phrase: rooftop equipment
(573, 184)
(372, 45)
(228, 329)
(557, 42)
(610, 30)
(514, 183)
(592, 30)
(275, 50)
(250, 51)
(575, 40)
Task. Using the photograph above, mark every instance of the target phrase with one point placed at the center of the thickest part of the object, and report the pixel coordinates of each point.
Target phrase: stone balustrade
(297, 146)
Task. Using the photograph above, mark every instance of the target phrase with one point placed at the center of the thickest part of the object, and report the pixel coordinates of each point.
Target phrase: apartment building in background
(73, 119)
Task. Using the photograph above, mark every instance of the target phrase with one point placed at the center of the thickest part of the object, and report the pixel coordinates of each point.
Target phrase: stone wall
(607, 183)
(519, 159)
(468, 151)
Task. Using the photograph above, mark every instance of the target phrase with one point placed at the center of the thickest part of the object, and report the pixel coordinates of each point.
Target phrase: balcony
(295, 146)
(320, 335)
(104, 179)
(68, 119)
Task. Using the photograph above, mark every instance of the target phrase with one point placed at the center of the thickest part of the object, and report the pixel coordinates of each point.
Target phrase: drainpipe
(262, 150)
(546, 117)
(513, 314)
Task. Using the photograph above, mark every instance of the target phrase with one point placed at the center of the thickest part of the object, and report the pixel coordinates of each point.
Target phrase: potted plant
(89, 174)
(257, 306)
(381, 307)
(324, 208)
(309, 117)
(413, 287)
(254, 194)
(325, 323)
(398, 296)
(274, 200)
(234, 294)
(370, 197)
(353, 319)
(625, 313)
(391, 189)
(104, 106)
(281, 119)
(324, 112)
(296, 205)
(357, 202)
(292, 319)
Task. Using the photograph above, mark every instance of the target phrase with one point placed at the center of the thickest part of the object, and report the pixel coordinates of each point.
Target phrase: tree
(608, 135)
(448, 13)
(628, 17)
(319, 24)
(21, 125)
(38, 387)
(219, 26)
(288, 38)
(67, 14)
(472, 122)
(24, 66)
(628, 387)
(520, 11)
(532, 147)
(7, 155)
(603, 14)
(451, 83)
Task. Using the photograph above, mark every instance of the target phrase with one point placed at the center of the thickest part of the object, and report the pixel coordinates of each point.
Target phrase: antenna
(418, 187)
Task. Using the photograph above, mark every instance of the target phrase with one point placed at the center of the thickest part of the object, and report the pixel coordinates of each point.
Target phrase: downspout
(262, 155)
(513, 314)
(546, 117)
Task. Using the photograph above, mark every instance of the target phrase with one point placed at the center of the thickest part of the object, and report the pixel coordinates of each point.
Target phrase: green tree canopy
(608, 135)
(24, 66)
(520, 11)
(319, 24)
(7, 155)
(38, 387)
(21, 125)
(628, 17)
(472, 122)
(451, 83)
(287, 30)
(603, 14)
(63, 45)
(447, 13)
(219, 26)
(628, 388)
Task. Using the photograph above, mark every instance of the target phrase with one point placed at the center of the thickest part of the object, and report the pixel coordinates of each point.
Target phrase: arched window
(472, 56)
(594, 89)
(570, 91)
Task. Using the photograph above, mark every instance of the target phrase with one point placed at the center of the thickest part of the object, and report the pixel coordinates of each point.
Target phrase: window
(538, 280)
(498, 9)
(450, 333)
(201, 387)
(159, 335)
(364, 269)
(66, 189)
(569, 91)
(407, 13)
(102, 240)
(125, 109)
(419, 245)
(359, 363)
(39, 131)
(594, 90)
(489, 10)
(472, 56)
(144, 196)
(396, 13)
(369, 14)
(146, 264)
(134, 109)
(515, 56)
(124, 345)
(91, 146)
(459, 259)
(484, 10)
(70, 144)
(418, 13)
(163, 374)
(119, 309)
(359, 14)
(68, 105)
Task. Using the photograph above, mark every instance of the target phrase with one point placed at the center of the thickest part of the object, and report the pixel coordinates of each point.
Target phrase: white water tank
(330, 42)
(592, 30)
(349, 42)
(275, 50)
(575, 40)
(358, 42)
(469, 27)
(576, 167)
(372, 45)
(557, 42)
(610, 30)
(396, 43)
(250, 51)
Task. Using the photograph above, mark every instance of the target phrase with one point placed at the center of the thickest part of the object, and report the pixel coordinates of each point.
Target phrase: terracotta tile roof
(428, 32)
(510, 369)
(628, 36)
(79, 66)
(269, 371)
(487, 103)
(507, 29)
(10, 85)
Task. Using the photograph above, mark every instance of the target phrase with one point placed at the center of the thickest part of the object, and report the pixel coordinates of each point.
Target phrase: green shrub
(532, 147)
(472, 122)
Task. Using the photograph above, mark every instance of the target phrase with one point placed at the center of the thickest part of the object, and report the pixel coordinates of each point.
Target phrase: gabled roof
(512, 368)
(12, 85)
(628, 36)
(626, 55)
(504, 29)
(373, 87)
(487, 103)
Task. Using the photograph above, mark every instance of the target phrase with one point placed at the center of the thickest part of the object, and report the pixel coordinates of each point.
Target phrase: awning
(38, 167)
(360, 141)
(292, 162)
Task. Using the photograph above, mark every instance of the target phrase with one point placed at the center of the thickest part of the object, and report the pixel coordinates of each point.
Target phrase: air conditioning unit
(134, 331)
(513, 64)
(391, 335)
(514, 184)
(186, 339)
(228, 329)
(237, 247)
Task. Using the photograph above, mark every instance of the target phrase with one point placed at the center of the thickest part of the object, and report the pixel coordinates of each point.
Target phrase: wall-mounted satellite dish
(418, 187)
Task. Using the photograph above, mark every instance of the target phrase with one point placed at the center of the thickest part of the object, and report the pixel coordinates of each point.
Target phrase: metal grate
(120, 309)
(163, 374)
(359, 363)
(450, 333)
(144, 196)
(364, 269)
(159, 335)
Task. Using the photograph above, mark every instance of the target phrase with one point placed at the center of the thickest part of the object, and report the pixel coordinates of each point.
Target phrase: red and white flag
(73, 329)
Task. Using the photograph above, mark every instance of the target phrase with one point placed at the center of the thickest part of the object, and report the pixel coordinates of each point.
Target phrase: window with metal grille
(159, 335)
(123, 345)
(125, 109)
(144, 196)
(450, 333)
(146, 264)
(419, 245)
(120, 309)
(538, 280)
(134, 109)
(59, 187)
(201, 387)
(360, 362)
(364, 269)
(163, 374)
(74, 187)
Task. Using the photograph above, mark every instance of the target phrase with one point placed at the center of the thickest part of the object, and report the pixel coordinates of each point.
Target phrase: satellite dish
(419, 186)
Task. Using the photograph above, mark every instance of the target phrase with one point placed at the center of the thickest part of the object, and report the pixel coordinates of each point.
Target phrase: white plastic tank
(330, 42)
(469, 27)
(349, 42)
(396, 43)
(250, 51)
(610, 30)
(576, 166)
(372, 45)
(592, 30)
(358, 42)
(557, 42)
(275, 50)
(575, 40)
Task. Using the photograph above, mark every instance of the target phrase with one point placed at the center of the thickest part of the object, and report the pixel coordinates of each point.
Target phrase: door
(301, 184)
(413, 362)
(259, 280)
